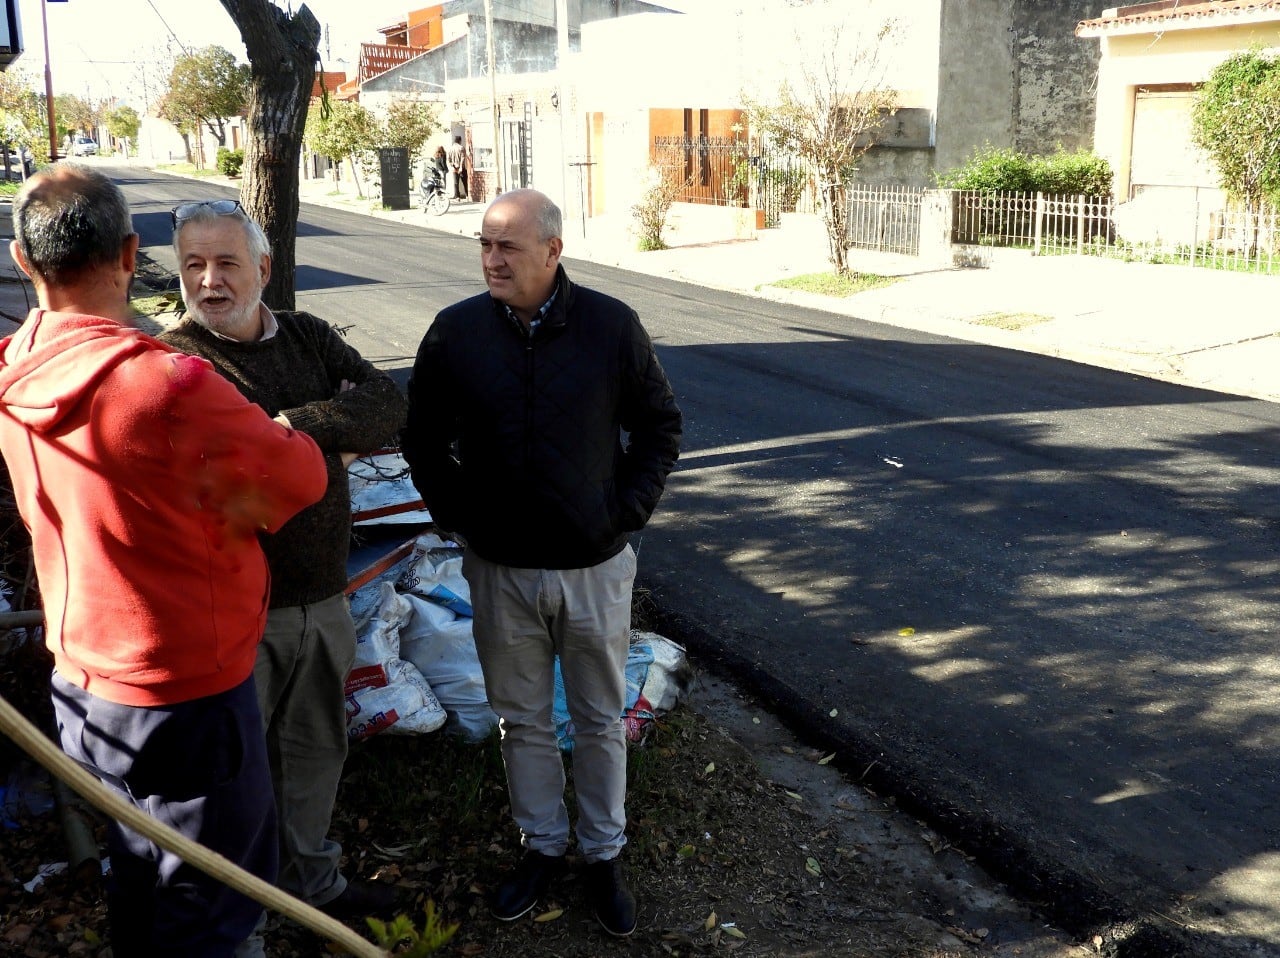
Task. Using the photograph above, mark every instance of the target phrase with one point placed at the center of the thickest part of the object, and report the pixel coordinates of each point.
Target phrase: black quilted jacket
(515, 439)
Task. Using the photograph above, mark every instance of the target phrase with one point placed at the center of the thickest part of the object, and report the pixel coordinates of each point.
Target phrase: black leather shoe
(611, 900)
(361, 899)
(528, 882)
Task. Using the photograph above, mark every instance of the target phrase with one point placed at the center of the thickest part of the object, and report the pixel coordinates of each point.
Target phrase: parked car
(83, 146)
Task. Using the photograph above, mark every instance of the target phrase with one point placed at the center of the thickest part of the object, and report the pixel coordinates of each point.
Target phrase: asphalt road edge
(1072, 900)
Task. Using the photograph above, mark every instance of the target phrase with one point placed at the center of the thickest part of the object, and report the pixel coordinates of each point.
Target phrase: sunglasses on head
(184, 211)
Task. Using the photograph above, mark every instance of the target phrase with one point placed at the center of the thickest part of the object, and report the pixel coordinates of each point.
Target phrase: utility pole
(562, 60)
(48, 84)
(493, 96)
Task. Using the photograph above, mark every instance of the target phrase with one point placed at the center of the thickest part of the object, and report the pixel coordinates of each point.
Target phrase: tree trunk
(218, 130)
(833, 218)
(355, 174)
(283, 52)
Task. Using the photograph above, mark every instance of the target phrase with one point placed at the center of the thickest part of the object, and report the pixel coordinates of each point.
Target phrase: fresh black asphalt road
(1034, 600)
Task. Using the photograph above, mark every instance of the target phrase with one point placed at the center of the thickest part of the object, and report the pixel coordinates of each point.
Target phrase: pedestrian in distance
(458, 166)
(439, 168)
(145, 478)
(298, 369)
(517, 406)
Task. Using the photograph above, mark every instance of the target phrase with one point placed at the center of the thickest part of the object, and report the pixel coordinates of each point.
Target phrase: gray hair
(550, 222)
(69, 220)
(259, 245)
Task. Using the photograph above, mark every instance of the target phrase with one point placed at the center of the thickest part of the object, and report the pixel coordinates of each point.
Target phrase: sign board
(394, 161)
(10, 33)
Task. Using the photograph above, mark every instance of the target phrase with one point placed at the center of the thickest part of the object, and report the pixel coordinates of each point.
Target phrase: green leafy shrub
(1007, 170)
(1081, 172)
(991, 169)
(1236, 120)
(229, 162)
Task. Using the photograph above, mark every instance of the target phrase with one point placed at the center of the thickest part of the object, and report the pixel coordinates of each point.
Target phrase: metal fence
(884, 218)
(1036, 221)
(722, 171)
(1221, 236)
(709, 169)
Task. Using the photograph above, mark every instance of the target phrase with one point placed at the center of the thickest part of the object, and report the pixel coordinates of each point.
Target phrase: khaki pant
(523, 619)
(302, 665)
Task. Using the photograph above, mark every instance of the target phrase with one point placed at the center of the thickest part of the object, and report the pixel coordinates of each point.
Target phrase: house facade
(517, 125)
(1154, 56)
(967, 73)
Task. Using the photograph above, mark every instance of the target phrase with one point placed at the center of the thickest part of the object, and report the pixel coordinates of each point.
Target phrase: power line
(167, 27)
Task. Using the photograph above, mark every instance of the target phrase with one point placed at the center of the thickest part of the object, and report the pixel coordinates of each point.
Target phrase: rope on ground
(39, 747)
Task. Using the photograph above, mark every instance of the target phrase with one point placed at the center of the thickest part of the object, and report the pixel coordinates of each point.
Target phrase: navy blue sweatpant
(201, 767)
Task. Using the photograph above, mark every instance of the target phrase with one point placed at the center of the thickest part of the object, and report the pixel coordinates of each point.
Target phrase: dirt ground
(741, 841)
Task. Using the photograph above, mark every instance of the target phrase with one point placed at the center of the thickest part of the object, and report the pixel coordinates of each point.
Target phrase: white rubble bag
(384, 692)
(435, 573)
(438, 639)
(442, 647)
(667, 682)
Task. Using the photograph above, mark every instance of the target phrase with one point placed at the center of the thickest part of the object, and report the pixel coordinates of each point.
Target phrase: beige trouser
(302, 664)
(523, 619)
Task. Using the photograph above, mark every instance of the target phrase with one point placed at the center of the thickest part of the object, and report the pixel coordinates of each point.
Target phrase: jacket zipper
(528, 402)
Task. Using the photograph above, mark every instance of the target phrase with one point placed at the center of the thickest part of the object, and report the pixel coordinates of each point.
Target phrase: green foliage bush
(229, 162)
(1236, 119)
(992, 169)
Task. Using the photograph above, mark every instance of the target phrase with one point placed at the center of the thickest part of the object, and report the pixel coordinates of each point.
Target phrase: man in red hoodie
(145, 477)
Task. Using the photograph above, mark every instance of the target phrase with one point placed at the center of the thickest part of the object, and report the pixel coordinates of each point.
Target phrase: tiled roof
(378, 58)
(329, 79)
(1179, 15)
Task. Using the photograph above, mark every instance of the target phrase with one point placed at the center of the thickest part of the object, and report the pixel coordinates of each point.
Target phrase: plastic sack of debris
(658, 678)
(442, 647)
(435, 573)
(670, 675)
(382, 492)
(384, 692)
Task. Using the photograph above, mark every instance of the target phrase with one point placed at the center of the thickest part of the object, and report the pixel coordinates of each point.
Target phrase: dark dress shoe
(361, 899)
(528, 882)
(611, 900)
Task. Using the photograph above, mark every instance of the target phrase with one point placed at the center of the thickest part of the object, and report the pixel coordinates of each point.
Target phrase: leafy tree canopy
(1236, 119)
(409, 123)
(76, 113)
(123, 122)
(348, 129)
(22, 117)
(207, 86)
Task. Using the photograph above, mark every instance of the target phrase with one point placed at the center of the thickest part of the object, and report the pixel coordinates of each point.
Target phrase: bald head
(68, 221)
(537, 208)
(520, 250)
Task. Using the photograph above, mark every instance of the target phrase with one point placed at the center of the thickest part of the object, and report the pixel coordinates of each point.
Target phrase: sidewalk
(1198, 327)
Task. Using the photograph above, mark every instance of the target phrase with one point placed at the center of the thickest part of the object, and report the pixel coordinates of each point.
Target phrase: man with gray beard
(300, 370)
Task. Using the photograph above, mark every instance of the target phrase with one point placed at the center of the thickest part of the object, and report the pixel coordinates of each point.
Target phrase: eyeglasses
(184, 211)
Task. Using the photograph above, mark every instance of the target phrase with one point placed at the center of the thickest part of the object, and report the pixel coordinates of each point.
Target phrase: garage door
(1163, 151)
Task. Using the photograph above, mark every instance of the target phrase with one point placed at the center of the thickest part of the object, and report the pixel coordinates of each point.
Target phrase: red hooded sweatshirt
(144, 477)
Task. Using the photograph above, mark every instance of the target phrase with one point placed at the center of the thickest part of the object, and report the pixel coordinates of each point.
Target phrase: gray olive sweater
(298, 372)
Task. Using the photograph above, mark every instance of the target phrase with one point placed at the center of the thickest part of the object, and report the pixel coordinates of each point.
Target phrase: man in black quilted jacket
(518, 405)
